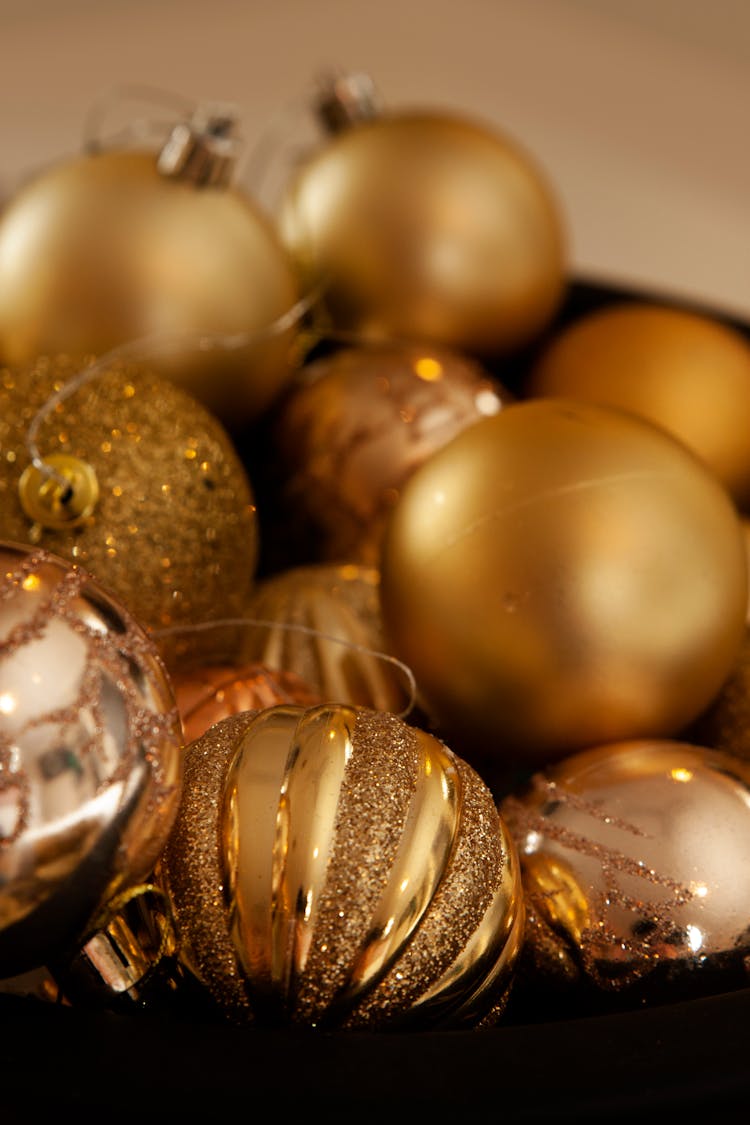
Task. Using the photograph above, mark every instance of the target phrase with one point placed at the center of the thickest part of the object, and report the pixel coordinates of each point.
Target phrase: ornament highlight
(335, 868)
(117, 248)
(634, 863)
(685, 371)
(562, 575)
(430, 227)
(90, 754)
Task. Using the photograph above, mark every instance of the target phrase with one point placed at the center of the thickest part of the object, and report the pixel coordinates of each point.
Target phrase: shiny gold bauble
(207, 695)
(354, 425)
(428, 226)
(683, 370)
(335, 868)
(634, 859)
(90, 754)
(561, 575)
(104, 250)
(172, 532)
(323, 623)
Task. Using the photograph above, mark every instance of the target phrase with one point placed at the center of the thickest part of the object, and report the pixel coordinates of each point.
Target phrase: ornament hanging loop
(60, 492)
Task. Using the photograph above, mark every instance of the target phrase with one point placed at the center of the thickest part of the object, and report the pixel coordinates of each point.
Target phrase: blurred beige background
(637, 109)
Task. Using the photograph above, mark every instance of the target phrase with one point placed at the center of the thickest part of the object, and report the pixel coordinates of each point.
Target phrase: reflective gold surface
(560, 575)
(354, 425)
(634, 859)
(428, 226)
(336, 868)
(323, 623)
(90, 754)
(102, 250)
(682, 370)
(173, 531)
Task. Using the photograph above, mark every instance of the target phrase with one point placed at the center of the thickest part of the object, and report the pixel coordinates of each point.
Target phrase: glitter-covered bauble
(683, 370)
(561, 575)
(113, 248)
(90, 754)
(335, 868)
(725, 723)
(323, 623)
(172, 528)
(634, 860)
(428, 226)
(209, 694)
(354, 425)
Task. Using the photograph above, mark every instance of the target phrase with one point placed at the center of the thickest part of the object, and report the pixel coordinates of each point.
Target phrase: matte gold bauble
(561, 575)
(103, 250)
(425, 226)
(323, 623)
(683, 370)
(90, 754)
(355, 424)
(172, 530)
(207, 695)
(335, 868)
(634, 860)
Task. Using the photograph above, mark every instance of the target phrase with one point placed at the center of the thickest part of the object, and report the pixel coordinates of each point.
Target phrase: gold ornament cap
(63, 496)
(347, 99)
(202, 150)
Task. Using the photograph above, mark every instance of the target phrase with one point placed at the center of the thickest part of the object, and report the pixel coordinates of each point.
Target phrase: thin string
(224, 622)
(142, 129)
(148, 347)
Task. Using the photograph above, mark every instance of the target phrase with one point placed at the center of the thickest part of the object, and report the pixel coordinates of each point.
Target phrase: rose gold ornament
(108, 249)
(561, 575)
(683, 370)
(427, 226)
(207, 695)
(322, 622)
(90, 754)
(333, 867)
(160, 509)
(634, 861)
(353, 427)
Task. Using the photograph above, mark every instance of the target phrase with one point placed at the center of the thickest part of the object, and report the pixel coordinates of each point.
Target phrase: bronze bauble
(173, 532)
(323, 623)
(335, 868)
(90, 754)
(680, 369)
(561, 575)
(634, 860)
(355, 424)
(104, 250)
(427, 226)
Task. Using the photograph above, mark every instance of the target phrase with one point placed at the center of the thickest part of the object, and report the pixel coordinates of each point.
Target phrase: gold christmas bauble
(172, 528)
(335, 868)
(323, 623)
(207, 695)
(683, 370)
(427, 226)
(354, 425)
(90, 754)
(634, 860)
(561, 575)
(106, 250)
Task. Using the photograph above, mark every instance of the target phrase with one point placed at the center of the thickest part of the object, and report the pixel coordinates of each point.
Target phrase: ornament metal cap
(64, 496)
(202, 150)
(346, 100)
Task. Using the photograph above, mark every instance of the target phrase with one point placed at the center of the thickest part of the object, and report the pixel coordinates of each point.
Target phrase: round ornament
(634, 857)
(335, 868)
(167, 520)
(354, 425)
(725, 723)
(323, 623)
(427, 226)
(158, 250)
(90, 754)
(207, 695)
(561, 575)
(683, 370)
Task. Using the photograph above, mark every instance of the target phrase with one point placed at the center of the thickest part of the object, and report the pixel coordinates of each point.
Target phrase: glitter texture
(174, 533)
